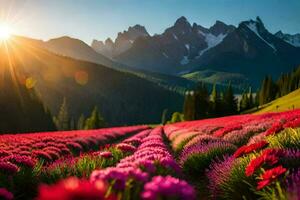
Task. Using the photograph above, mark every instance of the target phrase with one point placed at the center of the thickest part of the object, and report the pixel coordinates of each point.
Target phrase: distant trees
(176, 117)
(286, 83)
(63, 121)
(247, 101)
(95, 120)
(21, 108)
(199, 104)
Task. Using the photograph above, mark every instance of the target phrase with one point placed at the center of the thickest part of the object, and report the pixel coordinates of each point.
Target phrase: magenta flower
(126, 147)
(6, 195)
(106, 154)
(168, 188)
(8, 168)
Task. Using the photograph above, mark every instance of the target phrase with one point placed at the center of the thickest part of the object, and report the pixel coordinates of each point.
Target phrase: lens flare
(5, 32)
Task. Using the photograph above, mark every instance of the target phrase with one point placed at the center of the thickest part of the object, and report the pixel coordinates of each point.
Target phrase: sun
(5, 32)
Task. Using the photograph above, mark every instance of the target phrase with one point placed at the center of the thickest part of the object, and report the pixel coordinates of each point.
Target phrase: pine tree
(201, 101)
(189, 106)
(215, 102)
(164, 116)
(95, 121)
(80, 122)
(230, 102)
(62, 121)
(250, 97)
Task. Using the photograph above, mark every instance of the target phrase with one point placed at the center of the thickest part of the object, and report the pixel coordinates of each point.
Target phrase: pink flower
(6, 195)
(106, 154)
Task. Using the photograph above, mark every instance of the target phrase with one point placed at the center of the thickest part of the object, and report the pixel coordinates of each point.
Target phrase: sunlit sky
(99, 19)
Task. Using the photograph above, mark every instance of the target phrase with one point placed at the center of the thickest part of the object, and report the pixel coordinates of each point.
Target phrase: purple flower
(218, 174)
(293, 183)
(118, 176)
(199, 148)
(167, 188)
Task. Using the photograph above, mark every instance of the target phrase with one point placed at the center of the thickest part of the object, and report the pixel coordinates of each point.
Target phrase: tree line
(285, 84)
(63, 120)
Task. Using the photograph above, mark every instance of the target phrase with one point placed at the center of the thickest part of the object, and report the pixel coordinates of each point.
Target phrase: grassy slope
(284, 103)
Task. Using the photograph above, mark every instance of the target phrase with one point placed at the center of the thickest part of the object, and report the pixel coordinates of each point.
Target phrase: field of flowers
(235, 157)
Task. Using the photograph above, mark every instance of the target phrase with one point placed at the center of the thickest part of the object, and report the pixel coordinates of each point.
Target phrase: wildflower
(73, 188)
(8, 168)
(25, 161)
(293, 182)
(270, 175)
(268, 156)
(106, 154)
(250, 148)
(219, 173)
(126, 147)
(276, 127)
(6, 195)
(168, 188)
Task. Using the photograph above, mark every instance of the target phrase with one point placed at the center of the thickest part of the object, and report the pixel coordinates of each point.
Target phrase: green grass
(285, 103)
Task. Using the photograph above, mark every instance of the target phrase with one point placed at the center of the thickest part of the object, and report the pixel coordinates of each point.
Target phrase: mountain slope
(222, 78)
(285, 103)
(122, 43)
(291, 39)
(170, 51)
(249, 49)
(123, 98)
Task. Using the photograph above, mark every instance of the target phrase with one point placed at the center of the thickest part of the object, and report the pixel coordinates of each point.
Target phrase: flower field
(235, 157)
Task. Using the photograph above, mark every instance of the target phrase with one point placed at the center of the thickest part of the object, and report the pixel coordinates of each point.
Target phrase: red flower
(250, 148)
(256, 146)
(276, 127)
(268, 156)
(270, 175)
(254, 165)
(73, 188)
(240, 151)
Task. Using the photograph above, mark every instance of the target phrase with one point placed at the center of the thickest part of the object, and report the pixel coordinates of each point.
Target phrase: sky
(100, 19)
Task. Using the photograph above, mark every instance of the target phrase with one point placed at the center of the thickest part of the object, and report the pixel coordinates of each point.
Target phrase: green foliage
(80, 167)
(181, 145)
(288, 138)
(216, 102)
(176, 117)
(285, 84)
(196, 164)
(201, 101)
(62, 120)
(164, 117)
(229, 101)
(81, 122)
(95, 120)
(239, 186)
(273, 193)
(189, 106)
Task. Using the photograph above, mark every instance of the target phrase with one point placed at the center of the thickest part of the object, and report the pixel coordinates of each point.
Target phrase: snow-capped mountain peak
(291, 39)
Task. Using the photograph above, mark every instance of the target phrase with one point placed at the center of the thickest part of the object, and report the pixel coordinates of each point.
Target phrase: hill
(121, 97)
(285, 103)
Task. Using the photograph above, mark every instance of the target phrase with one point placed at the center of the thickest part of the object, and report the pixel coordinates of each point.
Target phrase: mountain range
(242, 55)
(249, 49)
